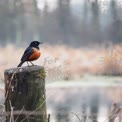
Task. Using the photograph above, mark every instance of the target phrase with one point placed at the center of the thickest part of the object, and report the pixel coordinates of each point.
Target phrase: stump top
(23, 69)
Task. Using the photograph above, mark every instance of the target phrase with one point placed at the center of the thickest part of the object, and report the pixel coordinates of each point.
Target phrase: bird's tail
(20, 64)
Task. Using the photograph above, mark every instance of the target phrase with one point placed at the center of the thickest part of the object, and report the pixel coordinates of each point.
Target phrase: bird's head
(35, 44)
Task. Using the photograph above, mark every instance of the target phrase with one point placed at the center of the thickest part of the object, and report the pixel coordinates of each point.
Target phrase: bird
(31, 53)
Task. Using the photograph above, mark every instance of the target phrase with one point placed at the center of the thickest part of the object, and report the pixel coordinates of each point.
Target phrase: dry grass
(112, 61)
(70, 62)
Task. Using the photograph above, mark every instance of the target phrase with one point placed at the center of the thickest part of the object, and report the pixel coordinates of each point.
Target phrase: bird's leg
(27, 63)
(32, 63)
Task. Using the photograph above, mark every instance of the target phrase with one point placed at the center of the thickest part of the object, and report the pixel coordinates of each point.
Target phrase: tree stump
(25, 99)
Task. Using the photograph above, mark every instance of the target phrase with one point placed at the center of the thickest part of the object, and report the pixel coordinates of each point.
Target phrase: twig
(76, 116)
(113, 114)
(84, 115)
(11, 116)
(19, 114)
(26, 115)
(48, 119)
(9, 86)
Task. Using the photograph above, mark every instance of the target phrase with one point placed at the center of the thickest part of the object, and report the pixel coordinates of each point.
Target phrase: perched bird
(31, 53)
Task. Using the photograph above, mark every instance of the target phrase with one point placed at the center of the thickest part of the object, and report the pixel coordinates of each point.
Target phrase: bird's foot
(32, 64)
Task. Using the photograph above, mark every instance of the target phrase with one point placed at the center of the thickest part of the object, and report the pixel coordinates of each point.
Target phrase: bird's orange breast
(35, 55)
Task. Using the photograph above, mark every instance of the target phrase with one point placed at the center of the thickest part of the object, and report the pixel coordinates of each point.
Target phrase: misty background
(66, 27)
(69, 22)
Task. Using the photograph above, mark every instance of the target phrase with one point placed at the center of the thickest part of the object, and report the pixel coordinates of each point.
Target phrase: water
(90, 98)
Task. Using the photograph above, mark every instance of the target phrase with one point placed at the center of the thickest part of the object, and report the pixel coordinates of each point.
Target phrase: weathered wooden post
(25, 99)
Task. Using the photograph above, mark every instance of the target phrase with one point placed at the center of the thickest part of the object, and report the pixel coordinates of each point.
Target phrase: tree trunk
(25, 94)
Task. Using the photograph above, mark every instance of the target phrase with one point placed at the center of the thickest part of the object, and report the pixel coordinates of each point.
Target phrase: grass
(67, 62)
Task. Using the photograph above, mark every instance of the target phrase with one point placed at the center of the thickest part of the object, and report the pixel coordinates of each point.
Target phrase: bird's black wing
(26, 54)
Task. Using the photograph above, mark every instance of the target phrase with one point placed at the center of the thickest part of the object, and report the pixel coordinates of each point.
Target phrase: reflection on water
(80, 102)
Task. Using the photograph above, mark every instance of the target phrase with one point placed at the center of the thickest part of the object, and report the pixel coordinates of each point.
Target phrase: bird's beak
(41, 42)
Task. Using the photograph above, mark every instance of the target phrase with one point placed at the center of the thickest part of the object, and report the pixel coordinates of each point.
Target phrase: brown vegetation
(67, 61)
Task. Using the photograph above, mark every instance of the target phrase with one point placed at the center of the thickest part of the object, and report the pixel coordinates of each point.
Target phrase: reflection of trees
(62, 113)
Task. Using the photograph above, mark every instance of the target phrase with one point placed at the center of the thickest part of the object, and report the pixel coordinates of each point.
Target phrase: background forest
(75, 23)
